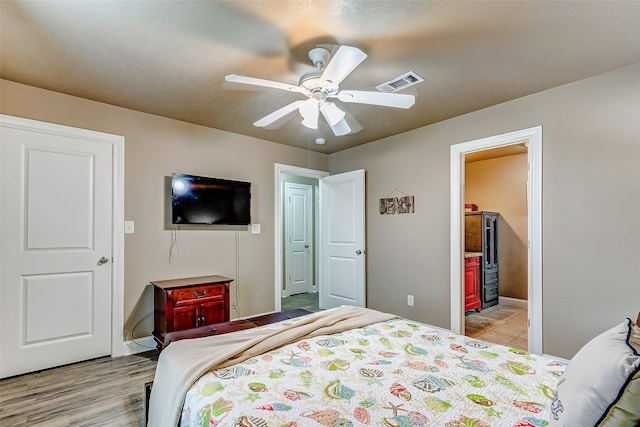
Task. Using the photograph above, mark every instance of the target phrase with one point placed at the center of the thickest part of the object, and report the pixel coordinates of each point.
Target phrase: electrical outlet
(410, 300)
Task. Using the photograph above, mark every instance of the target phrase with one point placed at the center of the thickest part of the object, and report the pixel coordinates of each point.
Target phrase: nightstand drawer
(196, 293)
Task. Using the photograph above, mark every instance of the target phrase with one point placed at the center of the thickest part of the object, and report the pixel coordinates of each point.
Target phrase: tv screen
(203, 200)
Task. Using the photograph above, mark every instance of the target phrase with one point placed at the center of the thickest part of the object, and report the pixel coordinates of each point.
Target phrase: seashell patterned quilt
(392, 373)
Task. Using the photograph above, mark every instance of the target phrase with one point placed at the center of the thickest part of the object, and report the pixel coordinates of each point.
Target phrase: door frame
(117, 237)
(533, 137)
(278, 218)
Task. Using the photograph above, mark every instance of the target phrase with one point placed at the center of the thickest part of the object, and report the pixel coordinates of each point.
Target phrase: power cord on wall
(174, 253)
(236, 303)
(132, 329)
(174, 245)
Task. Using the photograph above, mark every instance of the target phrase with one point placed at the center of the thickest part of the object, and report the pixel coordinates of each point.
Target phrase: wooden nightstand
(192, 302)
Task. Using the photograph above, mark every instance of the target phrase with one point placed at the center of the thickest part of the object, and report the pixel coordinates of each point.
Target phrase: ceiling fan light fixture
(323, 83)
(310, 123)
(309, 112)
(331, 113)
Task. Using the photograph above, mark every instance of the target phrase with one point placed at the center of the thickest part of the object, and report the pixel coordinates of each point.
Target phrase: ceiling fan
(323, 84)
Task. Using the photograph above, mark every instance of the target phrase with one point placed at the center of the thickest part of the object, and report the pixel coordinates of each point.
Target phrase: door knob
(103, 260)
(306, 246)
(358, 252)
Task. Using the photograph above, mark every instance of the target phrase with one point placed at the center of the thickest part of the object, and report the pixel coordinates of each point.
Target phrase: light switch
(255, 228)
(128, 227)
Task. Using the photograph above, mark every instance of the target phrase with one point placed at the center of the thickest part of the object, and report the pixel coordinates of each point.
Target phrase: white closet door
(56, 227)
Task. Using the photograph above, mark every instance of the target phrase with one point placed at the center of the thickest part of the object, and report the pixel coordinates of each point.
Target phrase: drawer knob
(197, 295)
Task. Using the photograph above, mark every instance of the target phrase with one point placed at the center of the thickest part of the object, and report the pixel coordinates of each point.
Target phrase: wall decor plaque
(403, 204)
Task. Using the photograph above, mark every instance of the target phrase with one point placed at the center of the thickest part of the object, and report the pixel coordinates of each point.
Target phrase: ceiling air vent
(399, 83)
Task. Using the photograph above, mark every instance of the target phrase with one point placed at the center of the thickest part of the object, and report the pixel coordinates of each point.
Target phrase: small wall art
(397, 202)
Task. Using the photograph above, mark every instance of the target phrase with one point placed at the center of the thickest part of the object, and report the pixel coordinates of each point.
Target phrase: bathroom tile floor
(500, 324)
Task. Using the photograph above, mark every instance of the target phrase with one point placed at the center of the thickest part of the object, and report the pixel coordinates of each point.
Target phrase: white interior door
(56, 222)
(342, 234)
(299, 238)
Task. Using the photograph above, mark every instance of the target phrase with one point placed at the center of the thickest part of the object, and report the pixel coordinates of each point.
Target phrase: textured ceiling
(170, 57)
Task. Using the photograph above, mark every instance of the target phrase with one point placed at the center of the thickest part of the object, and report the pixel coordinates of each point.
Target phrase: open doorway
(340, 238)
(533, 138)
(296, 226)
(496, 279)
(300, 243)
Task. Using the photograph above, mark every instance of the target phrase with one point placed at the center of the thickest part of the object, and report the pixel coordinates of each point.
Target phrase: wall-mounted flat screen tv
(204, 200)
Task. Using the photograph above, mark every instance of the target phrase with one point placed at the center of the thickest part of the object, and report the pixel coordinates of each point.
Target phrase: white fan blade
(234, 78)
(396, 100)
(345, 60)
(331, 113)
(309, 112)
(340, 128)
(353, 124)
(278, 114)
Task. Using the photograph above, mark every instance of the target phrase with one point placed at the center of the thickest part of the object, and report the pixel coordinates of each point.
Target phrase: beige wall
(500, 185)
(154, 148)
(590, 201)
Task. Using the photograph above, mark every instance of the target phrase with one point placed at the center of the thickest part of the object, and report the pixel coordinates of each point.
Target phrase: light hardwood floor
(99, 392)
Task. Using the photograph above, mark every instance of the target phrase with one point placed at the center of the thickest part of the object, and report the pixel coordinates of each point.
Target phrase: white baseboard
(140, 345)
(514, 302)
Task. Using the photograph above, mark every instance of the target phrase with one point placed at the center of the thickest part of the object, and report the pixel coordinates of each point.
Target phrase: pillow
(601, 385)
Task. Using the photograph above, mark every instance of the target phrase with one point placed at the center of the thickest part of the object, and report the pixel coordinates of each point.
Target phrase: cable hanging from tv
(174, 245)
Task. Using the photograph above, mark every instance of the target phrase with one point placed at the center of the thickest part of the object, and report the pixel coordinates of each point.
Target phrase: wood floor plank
(99, 392)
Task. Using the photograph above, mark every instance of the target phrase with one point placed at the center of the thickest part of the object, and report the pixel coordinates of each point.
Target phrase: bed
(354, 366)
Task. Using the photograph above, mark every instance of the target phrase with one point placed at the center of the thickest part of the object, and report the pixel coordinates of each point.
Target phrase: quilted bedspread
(392, 373)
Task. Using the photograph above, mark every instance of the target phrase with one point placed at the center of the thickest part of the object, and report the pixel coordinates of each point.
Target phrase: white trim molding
(533, 137)
(117, 296)
(139, 345)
